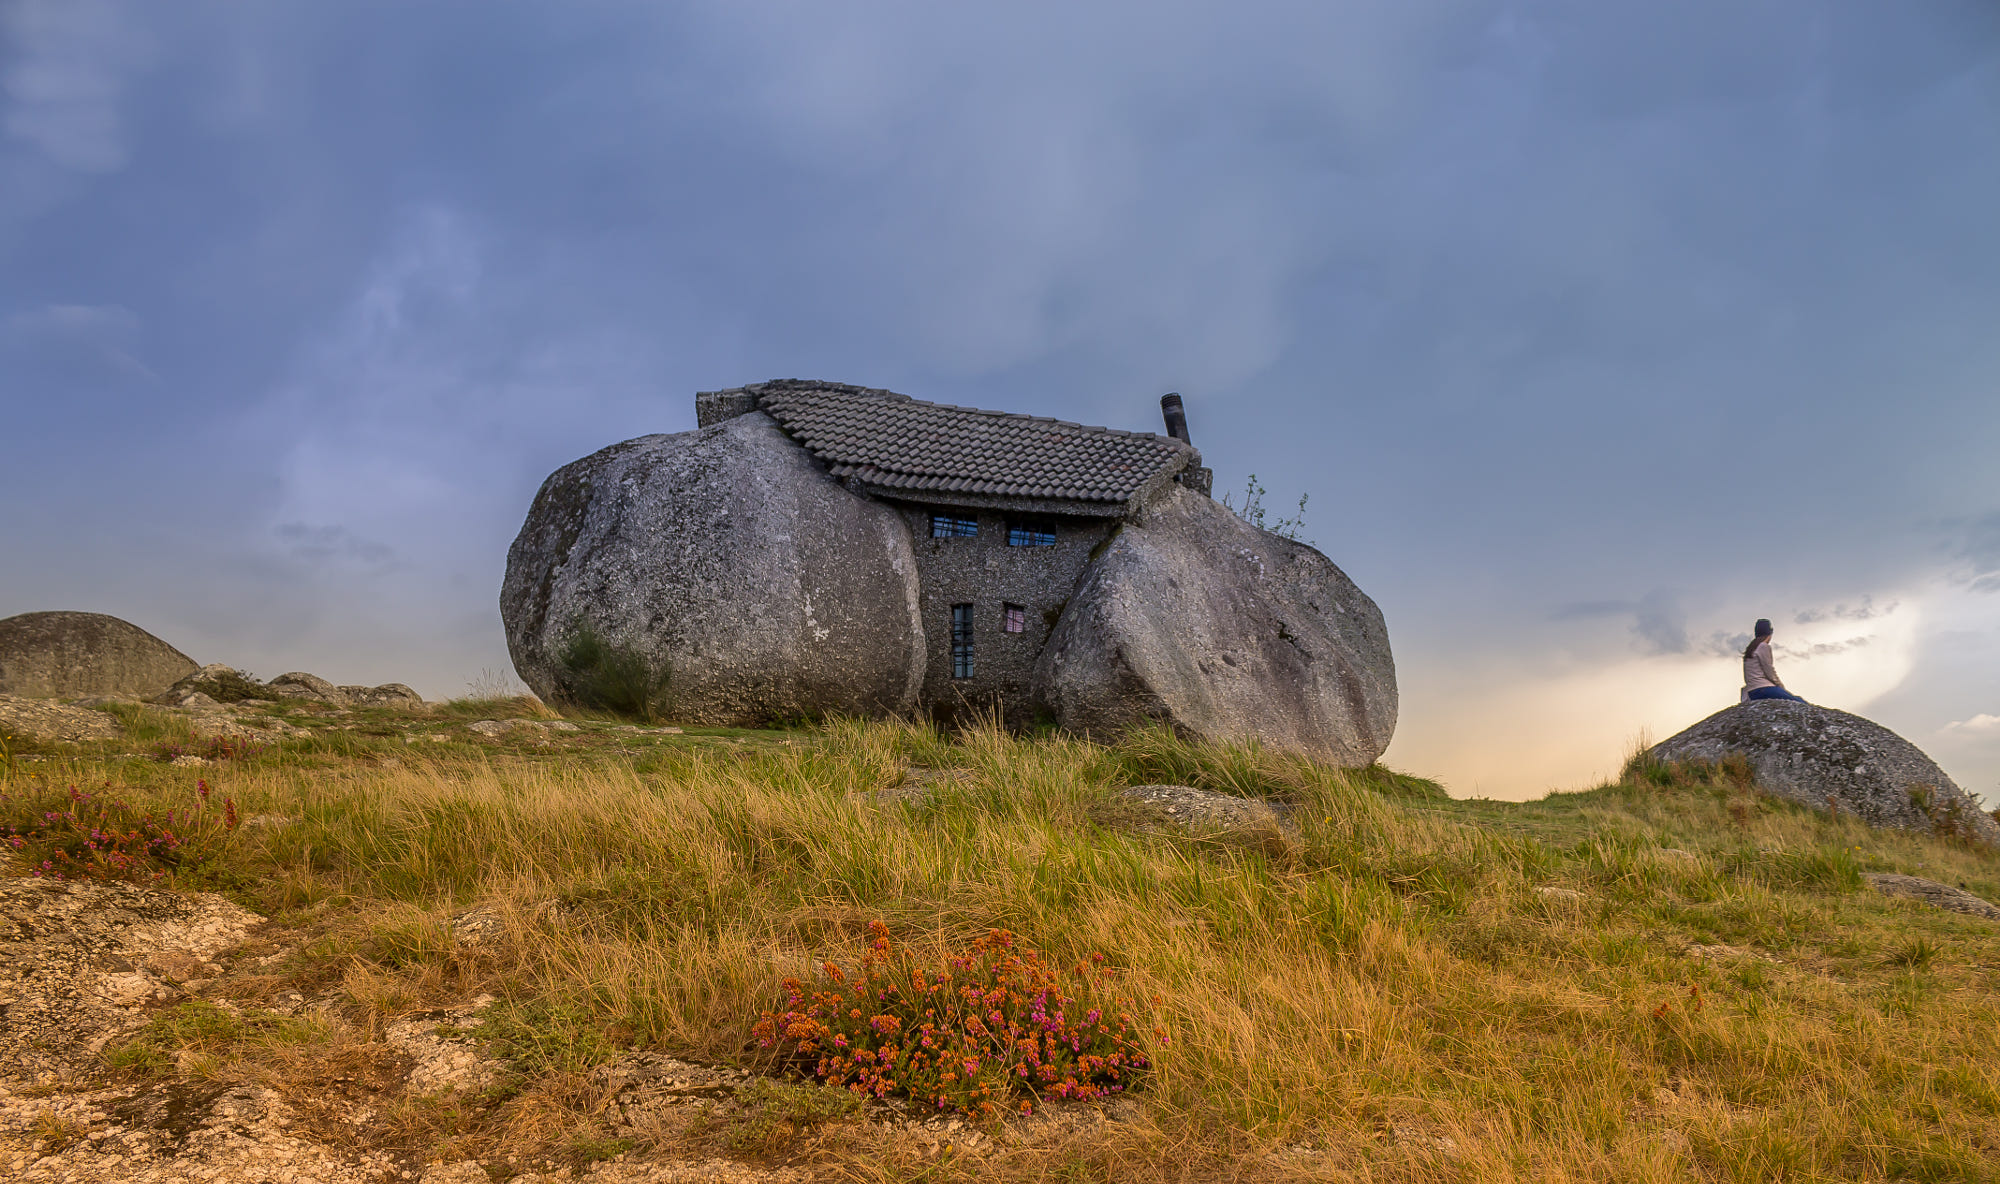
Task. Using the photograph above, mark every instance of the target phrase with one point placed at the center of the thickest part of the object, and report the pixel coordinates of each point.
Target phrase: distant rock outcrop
(725, 558)
(64, 655)
(1832, 760)
(216, 683)
(1196, 619)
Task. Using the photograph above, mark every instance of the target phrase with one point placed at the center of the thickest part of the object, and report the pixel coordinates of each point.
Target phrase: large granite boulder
(728, 557)
(68, 655)
(1832, 760)
(1194, 618)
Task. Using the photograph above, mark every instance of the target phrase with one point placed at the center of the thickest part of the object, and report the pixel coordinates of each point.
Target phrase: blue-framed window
(961, 641)
(1030, 534)
(949, 526)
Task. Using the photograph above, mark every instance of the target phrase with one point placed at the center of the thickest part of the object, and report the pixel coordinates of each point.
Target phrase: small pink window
(1016, 619)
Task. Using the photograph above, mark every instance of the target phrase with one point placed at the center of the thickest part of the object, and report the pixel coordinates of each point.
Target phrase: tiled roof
(895, 442)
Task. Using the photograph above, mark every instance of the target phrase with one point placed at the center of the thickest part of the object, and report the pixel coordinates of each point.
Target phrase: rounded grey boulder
(729, 559)
(1194, 618)
(65, 655)
(1832, 760)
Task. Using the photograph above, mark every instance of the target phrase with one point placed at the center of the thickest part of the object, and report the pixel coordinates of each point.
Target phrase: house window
(1014, 618)
(1030, 534)
(961, 641)
(945, 526)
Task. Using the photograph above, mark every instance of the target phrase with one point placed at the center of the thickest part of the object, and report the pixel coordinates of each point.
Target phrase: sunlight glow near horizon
(1496, 734)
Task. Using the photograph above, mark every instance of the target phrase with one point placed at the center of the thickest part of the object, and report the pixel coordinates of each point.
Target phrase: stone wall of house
(985, 572)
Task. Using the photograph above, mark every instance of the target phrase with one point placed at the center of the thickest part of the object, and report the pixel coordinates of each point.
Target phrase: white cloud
(66, 76)
(1981, 723)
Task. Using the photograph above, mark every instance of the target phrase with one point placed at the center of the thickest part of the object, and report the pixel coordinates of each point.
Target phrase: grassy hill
(1669, 978)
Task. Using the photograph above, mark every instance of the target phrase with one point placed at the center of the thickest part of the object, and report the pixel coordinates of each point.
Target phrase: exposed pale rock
(64, 655)
(45, 720)
(1832, 760)
(444, 1054)
(500, 727)
(1193, 618)
(75, 958)
(729, 559)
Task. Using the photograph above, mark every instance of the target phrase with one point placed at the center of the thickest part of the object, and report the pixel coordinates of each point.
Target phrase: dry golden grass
(1672, 978)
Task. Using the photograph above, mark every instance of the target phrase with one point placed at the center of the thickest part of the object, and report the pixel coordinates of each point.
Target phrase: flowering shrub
(215, 748)
(995, 1023)
(91, 836)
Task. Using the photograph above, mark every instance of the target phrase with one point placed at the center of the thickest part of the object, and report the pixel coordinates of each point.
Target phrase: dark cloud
(1657, 620)
(1543, 303)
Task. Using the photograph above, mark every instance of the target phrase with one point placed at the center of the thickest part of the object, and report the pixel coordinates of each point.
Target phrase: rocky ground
(88, 970)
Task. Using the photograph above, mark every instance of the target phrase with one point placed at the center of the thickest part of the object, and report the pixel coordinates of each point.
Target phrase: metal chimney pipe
(1170, 406)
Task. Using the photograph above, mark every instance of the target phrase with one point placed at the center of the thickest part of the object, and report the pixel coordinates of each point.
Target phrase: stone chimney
(1195, 477)
(716, 406)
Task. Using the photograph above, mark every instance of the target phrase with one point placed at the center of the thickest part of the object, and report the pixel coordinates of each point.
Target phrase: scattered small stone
(477, 926)
(1727, 953)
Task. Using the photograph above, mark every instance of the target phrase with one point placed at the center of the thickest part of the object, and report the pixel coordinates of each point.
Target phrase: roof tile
(896, 442)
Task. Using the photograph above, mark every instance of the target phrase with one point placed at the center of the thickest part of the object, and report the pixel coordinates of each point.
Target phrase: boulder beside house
(815, 547)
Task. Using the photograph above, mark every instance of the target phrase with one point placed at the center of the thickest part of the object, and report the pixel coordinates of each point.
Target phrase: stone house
(815, 547)
(1005, 511)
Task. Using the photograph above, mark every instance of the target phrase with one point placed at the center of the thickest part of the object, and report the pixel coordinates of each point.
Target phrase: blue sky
(1594, 330)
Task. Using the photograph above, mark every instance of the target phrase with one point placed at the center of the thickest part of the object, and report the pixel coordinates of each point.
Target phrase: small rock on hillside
(1200, 813)
(1832, 760)
(1194, 618)
(213, 683)
(1930, 892)
(727, 559)
(67, 655)
(389, 694)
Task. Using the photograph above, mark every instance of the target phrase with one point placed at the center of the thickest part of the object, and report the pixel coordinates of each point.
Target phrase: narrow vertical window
(1014, 618)
(961, 641)
(947, 526)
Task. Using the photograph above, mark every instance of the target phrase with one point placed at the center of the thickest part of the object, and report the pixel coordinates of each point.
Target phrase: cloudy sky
(1594, 330)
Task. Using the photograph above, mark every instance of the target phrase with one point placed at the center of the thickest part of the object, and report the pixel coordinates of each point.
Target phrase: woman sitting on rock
(1760, 677)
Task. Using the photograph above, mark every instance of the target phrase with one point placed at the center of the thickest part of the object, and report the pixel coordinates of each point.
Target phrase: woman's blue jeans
(1775, 693)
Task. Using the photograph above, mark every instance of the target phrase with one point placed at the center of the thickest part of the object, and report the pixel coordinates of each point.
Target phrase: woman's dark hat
(1763, 627)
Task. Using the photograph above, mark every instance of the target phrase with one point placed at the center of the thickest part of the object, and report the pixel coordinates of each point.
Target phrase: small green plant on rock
(605, 676)
(996, 1023)
(770, 1114)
